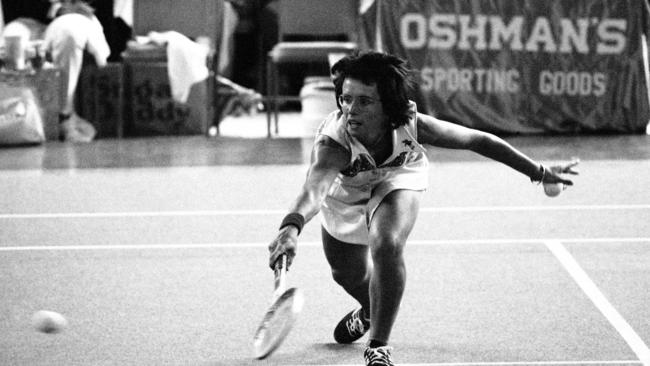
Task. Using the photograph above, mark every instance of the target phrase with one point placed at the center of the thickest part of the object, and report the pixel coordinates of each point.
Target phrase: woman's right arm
(328, 158)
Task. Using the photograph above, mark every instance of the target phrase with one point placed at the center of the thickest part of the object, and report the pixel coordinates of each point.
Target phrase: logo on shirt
(360, 164)
(399, 160)
(408, 143)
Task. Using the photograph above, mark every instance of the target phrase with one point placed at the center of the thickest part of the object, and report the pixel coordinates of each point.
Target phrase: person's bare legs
(349, 265)
(68, 56)
(389, 229)
(378, 287)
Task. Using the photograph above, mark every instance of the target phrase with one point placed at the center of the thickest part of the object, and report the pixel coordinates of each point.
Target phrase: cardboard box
(151, 109)
(100, 98)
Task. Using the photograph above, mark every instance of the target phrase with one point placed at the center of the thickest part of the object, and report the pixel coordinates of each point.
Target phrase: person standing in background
(67, 29)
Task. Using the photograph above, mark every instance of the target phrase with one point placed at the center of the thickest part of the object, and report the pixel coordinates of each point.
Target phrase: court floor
(155, 251)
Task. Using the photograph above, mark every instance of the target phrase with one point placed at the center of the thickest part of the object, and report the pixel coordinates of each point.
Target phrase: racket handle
(280, 272)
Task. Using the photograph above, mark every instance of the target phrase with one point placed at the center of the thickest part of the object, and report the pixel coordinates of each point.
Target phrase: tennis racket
(281, 315)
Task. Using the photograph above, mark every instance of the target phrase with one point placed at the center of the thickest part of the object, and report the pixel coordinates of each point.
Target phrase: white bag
(20, 118)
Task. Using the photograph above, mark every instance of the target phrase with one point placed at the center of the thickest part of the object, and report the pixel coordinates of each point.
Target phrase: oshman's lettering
(491, 32)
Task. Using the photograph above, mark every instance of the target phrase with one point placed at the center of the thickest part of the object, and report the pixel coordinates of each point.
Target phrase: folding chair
(309, 31)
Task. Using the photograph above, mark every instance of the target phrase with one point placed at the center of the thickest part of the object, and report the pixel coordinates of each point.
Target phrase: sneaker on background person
(76, 129)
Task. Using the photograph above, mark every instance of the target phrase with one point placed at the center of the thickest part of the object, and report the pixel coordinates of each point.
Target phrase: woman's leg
(349, 265)
(389, 229)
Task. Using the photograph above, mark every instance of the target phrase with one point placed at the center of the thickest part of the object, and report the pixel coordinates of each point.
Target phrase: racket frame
(289, 302)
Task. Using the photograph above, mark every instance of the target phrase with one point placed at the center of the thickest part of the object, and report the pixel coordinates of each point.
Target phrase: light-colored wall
(192, 18)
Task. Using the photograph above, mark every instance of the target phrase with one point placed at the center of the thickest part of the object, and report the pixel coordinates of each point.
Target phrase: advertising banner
(523, 66)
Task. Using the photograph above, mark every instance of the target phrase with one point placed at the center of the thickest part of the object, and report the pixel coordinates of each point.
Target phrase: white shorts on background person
(66, 38)
(358, 190)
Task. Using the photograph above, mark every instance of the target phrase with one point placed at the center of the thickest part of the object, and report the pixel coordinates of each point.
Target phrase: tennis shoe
(352, 327)
(379, 356)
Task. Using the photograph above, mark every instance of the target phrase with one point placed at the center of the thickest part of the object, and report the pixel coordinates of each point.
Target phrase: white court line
(178, 213)
(67, 215)
(630, 336)
(522, 363)
(188, 246)
(591, 290)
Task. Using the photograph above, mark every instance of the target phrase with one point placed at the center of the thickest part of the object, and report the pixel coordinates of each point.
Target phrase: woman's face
(363, 111)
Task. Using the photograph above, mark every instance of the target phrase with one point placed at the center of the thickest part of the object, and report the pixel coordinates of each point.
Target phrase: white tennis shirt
(358, 189)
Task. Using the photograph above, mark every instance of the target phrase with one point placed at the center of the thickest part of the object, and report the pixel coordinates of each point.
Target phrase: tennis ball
(553, 189)
(49, 321)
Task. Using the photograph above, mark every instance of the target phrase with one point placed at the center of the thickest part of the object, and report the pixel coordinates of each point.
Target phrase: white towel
(186, 62)
(364, 5)
(124, 9)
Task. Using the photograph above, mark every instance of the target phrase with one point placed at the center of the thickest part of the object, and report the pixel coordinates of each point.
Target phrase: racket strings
(277, 322)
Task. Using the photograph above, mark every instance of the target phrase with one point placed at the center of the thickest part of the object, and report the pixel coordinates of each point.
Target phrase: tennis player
(368, 169)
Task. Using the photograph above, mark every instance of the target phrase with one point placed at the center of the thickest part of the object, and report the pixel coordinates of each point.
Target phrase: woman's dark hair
(391, 75)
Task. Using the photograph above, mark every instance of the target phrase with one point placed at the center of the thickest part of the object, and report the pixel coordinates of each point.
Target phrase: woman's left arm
(436, 132)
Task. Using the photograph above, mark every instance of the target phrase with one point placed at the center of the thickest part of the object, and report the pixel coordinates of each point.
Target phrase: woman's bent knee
(387, 249)
(349, 278)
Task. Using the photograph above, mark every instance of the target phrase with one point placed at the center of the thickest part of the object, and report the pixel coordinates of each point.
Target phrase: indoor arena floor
(155, 250)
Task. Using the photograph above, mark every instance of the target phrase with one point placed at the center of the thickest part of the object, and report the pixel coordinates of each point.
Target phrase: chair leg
(268, 117)
(270, 100)
(276, 91)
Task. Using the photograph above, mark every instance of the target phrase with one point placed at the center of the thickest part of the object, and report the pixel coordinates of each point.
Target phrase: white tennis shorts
(347, 210)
